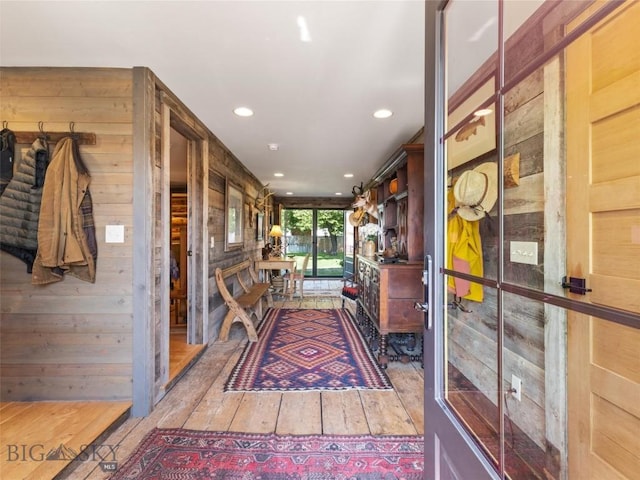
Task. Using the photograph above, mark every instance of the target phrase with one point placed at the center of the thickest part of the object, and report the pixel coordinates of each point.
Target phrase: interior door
(603, 220)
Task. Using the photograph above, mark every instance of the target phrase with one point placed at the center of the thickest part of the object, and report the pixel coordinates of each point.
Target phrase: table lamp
(276, 233)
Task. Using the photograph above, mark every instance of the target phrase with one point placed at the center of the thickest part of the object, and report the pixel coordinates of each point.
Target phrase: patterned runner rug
(307, 349)
(188, 454)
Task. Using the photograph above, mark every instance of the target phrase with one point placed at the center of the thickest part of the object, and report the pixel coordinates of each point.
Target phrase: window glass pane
(530, 131)
(472, 125)
(471, 363)
(524, 35)
(532, 28)
(534, 363)
(571, 148)
(471, 155)
(602, 115)
(472, 41)
(298, 236)
(471, 56)
(330, 243)
(472, 226)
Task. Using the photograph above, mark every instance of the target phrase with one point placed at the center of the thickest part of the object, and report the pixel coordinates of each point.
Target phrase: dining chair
(296, 276)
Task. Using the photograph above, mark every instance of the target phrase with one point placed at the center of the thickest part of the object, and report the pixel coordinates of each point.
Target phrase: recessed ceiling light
(289, 193)
(278, 174)
(338, 193)
(483, 112)
(273, 146)
(305, 35)
(382, 113)
(243, 112)
(348, 175)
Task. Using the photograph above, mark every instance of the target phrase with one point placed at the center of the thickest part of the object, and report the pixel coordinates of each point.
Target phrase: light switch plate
(524, 252)
(114, 234)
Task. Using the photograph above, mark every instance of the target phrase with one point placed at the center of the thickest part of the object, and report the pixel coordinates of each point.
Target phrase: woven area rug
(307, 349)
(188, 454)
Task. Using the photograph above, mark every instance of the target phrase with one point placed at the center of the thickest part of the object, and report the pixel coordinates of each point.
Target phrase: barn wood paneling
(224, 165)
(72, 340)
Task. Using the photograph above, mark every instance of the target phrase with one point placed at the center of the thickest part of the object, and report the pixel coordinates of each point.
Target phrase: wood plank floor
(31, 431)
(198, 402)
(181, 354)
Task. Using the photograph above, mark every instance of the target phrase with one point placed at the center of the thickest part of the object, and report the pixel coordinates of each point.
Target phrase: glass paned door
(330, 242)
(536, 244)
(320, 233)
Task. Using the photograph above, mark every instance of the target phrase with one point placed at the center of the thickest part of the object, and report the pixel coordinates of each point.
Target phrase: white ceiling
(315, 99)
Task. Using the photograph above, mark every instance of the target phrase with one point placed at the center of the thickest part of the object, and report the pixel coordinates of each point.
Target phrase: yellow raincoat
(464, 254)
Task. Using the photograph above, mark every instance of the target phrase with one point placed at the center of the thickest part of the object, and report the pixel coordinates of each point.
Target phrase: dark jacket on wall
(20, 204)
(66, 233)
(7, 155)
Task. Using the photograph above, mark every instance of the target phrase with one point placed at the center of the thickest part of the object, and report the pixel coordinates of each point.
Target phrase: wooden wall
(72, 340)
(224, 165)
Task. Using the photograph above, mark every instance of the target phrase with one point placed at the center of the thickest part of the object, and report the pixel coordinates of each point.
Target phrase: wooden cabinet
(388, 293)
(400, 197)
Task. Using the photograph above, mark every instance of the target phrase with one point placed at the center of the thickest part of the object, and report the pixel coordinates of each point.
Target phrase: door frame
(173, 116)
(197, 188)
(314, 236)
(443, 431)
(151, 197)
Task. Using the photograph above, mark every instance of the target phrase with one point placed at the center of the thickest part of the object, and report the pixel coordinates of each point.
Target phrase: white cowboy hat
(356, 218)
(476, 191)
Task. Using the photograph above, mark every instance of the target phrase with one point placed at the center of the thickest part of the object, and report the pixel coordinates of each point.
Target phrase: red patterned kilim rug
(188, 454)
(307, 349)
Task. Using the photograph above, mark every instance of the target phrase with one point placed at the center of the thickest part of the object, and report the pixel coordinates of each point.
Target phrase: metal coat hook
(457, 303)
(83, 138)
(5, 124)
(72, 131)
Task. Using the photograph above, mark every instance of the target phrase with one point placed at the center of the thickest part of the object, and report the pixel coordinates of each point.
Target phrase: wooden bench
(249, 303)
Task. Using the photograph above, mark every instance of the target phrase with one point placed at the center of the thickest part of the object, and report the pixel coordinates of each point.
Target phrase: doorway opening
(181, 353)
(320, 233)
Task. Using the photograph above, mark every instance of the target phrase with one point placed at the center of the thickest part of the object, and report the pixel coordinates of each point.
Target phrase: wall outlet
(212, 242)
(524, 252)
(516, 387)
